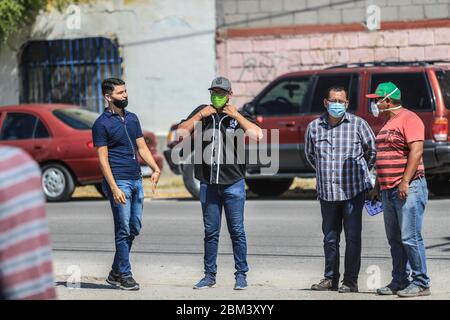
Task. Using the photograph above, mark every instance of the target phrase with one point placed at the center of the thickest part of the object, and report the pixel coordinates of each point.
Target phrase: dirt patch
(172, 187)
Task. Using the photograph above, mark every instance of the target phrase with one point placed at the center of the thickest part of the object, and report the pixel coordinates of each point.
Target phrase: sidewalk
(171, 276)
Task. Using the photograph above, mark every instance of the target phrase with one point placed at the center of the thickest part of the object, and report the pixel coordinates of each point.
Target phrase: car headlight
(172, 136)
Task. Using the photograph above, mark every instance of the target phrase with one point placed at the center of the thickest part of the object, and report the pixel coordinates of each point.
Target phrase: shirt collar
(109, 114)
(324, 118)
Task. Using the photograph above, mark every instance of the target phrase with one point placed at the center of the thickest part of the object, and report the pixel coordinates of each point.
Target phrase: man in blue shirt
(118, 137)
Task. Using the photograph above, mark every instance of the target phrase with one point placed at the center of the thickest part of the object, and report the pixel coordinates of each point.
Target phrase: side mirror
(249, 107)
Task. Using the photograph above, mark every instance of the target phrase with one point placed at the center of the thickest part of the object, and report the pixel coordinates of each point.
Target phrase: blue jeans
(127, 222)
(231, 197)
(334, 215)
(403, 220)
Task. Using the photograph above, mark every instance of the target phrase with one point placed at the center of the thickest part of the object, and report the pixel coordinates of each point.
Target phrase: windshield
(444, 82)
(77, 118)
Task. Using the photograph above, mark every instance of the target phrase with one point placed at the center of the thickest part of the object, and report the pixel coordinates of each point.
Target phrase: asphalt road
(284, 243)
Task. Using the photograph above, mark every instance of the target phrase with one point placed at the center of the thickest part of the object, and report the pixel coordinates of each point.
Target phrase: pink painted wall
(251, 63)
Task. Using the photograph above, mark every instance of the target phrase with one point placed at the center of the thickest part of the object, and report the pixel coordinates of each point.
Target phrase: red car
(59, 138)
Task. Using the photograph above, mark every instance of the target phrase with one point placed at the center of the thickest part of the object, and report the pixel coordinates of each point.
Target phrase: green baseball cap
(386, 89)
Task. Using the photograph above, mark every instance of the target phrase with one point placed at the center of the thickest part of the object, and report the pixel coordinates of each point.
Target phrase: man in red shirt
(404, 192)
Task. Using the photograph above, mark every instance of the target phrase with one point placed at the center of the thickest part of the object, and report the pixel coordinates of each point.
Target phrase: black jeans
(349, 214)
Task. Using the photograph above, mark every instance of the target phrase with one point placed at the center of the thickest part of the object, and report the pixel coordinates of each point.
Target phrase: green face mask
(218, 100)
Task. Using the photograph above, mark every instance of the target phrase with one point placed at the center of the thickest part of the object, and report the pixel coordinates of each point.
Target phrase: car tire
(439, 185)
(190, 182)
(99, 188)
(57, 182)
(269, 187)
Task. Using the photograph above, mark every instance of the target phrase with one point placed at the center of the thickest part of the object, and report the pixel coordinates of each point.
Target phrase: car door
(278, 108)
(320, 86)
(26, 131)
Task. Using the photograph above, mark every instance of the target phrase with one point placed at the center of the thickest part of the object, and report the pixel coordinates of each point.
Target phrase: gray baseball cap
(221, 83)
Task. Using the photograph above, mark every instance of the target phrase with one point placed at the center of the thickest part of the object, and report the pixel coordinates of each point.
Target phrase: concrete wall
(167, 47)
(257, 13)
(252, 62)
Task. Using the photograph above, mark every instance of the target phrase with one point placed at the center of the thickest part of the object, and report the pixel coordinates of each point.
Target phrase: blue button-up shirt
(119, 135)
(342, 156)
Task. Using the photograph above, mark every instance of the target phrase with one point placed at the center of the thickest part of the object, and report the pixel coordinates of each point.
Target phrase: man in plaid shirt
(341, 148)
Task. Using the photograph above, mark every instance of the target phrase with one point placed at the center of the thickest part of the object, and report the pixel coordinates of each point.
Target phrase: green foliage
(15, 14)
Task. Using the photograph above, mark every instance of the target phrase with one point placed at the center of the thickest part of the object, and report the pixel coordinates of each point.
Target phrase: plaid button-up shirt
(342, 156)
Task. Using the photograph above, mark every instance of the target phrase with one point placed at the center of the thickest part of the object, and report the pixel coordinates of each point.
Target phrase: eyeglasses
(336, 101)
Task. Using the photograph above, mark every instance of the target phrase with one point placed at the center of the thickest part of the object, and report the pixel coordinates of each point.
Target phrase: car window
(413, 86)
(77, 118)
(18, 126)
(284, 98)
(444, 82)
(40, 131)
(324, 82)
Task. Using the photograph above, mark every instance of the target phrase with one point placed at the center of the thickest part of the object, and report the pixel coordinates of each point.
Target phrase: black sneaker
(325, 285)
(113, 279)
(129, 284)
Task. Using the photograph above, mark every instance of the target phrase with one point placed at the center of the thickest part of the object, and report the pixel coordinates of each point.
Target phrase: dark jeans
(127, 222)
(334, 215)
(403, 219)
(231, 197)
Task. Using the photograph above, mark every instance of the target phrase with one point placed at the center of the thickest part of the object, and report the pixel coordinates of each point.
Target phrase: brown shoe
(348, 289)
(325, 285)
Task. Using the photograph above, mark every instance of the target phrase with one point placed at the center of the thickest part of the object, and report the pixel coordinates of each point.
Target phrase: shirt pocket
(322, 145)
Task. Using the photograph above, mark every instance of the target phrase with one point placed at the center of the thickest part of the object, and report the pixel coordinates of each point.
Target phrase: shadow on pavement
(446, 244)
(360, 292)
(87, 285)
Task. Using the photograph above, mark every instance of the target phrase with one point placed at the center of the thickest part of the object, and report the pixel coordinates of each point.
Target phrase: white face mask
(375, 110)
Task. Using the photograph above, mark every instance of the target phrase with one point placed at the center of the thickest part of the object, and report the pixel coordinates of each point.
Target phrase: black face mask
(122, 104)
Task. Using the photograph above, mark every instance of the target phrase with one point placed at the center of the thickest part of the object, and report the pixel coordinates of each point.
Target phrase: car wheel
(269, 187)
(438, 185)
(99, 188)
(57, 182)
(190, 182)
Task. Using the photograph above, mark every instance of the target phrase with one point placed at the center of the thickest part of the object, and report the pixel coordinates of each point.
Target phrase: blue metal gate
(68, 71)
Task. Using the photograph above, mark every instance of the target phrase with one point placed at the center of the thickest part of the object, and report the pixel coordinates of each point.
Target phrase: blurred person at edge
(26, 270)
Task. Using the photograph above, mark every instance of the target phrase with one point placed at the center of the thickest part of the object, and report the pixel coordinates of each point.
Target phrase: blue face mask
(336, 109)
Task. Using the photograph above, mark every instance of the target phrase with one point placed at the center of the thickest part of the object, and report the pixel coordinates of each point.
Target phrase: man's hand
(231, 111)
(374, 195)
(403, 188)
(119, 196)
(207, 111)
(154, 180)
